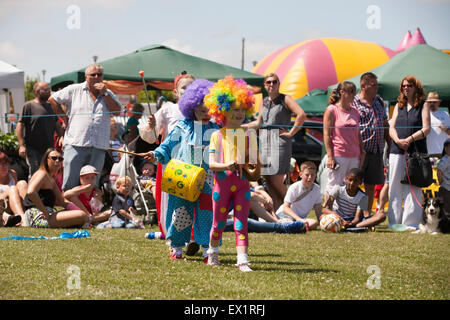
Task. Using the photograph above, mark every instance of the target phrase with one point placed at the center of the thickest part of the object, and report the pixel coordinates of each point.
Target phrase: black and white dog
(434, 219)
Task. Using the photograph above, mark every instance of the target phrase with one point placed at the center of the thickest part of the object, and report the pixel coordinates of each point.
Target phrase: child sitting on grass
(123, 209)
(303, 196)
(351, 203)
(87, 198)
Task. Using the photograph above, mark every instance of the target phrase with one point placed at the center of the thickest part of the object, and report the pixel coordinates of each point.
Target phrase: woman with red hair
(409, 126)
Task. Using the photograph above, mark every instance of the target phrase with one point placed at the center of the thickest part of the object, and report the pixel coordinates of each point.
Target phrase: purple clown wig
(193, 97)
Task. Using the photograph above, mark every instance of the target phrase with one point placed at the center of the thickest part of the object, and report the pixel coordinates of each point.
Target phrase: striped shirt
(345, 205)
(371, 123)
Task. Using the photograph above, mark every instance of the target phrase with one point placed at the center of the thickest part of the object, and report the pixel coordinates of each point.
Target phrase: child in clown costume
(232, 148)
(187, 143)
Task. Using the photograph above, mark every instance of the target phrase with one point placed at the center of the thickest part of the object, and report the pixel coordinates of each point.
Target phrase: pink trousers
(230, 189)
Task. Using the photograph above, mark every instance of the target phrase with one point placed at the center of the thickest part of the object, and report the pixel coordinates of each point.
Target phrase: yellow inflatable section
(319, 63)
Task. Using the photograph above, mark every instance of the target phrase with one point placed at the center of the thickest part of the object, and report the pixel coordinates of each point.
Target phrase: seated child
(351, 203)
(123, 209)
(147, 181)
(86, 197)
(148, 175)
(303, 196)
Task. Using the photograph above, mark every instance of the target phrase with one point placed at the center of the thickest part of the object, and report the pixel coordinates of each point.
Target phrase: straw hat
(433, 96)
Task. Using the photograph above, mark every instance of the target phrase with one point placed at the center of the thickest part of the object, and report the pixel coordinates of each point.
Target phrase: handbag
(418, 170)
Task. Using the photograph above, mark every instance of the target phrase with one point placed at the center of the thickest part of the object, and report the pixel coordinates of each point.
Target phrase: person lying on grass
(350, 203)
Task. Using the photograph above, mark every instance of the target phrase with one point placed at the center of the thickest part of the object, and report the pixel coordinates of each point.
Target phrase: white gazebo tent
(12, 80)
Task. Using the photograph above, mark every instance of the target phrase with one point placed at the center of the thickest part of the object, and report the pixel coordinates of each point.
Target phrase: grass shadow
(252, 254)
(307, 270)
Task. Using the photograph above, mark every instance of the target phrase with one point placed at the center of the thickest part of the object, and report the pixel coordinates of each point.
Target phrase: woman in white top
(11, 194)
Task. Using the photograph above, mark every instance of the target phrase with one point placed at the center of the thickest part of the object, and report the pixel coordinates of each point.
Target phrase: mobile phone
(336, 166)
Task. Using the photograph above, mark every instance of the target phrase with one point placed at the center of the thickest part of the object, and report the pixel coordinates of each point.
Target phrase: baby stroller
(143, 198)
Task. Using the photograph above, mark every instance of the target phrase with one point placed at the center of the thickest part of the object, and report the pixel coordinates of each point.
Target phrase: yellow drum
(183, 180)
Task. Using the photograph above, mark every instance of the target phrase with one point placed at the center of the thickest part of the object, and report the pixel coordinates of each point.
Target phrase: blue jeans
(116, 223)
(257, 226)
(77, 157)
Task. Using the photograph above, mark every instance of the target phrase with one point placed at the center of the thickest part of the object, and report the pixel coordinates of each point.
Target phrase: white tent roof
(12, 80)
(10, 76)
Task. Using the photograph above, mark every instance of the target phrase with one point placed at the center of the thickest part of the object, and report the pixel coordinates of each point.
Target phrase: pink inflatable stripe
(320, 70)
(261, 70)
(319, 65)
(390, 53)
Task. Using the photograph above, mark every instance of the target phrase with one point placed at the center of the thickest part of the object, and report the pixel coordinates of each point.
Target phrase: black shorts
(373, 168)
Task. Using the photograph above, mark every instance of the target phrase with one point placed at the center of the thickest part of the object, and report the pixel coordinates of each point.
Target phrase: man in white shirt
(89, 108)
(440, 125)
(303, 196)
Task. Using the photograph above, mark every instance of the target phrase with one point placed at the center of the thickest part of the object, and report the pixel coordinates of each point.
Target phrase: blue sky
(34, 34)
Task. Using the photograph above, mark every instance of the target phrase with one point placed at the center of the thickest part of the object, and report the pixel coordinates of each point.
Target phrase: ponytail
(347, 86)
(334, 97)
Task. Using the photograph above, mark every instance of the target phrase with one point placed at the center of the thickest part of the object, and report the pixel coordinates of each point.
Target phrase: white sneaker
(213, 259)
(244, 267)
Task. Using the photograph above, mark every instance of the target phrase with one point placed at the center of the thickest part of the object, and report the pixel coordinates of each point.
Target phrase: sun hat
(88, 169)
(433, 96)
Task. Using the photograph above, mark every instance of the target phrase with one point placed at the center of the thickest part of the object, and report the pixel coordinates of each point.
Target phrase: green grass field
(122, 264)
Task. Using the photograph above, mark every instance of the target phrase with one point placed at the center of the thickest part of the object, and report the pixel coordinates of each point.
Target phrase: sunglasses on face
(407, 86)
(98, 74)
(271, 81)
(54, 158)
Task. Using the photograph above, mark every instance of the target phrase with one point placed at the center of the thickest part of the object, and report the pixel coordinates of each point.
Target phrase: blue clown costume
(189, 142)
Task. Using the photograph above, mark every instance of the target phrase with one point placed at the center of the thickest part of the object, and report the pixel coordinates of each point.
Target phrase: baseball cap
(88, 169)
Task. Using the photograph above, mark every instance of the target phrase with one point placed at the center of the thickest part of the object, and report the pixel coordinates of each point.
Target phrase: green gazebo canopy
(159, 63)
(431, 66)
(314, 102)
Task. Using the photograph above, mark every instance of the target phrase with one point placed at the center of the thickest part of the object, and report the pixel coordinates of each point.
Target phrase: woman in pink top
(342, 137)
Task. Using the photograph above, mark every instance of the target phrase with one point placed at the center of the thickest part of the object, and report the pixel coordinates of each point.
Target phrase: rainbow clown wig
(193, 97)
(222, 95)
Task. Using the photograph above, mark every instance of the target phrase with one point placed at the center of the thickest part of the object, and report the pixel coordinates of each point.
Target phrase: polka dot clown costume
(187, 143)
(230, 103)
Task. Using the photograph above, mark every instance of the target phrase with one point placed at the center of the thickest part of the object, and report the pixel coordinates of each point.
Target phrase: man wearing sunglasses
(89, 108)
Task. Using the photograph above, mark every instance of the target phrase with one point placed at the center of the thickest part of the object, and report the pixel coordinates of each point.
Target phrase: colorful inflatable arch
(319, 63)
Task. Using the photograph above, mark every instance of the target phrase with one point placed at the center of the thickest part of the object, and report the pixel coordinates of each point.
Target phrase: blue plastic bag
(63, 235)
